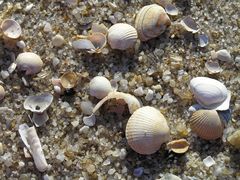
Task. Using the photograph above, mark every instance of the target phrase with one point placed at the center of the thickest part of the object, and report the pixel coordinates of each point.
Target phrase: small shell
(122, 36)
(69, 80)
(146, 130)
(100, 87)
(29, 62)
(31, 140)
(224, 55)
(213, 67)
(2, 93)
(210, 93)
(178, 146)
(98, 40)
(234, 139)
(207, 124)
(11, 29)
(190, 25)
(171, 10)
(151, 21)
(203, 40)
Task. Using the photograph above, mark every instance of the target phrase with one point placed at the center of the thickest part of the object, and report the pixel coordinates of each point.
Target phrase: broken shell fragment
(190, 25)
(234, 139)
(99, 87)
(11, 29)
(206, 124)
(69, 80)
(38, 105)
(213, 67)
(31, 140)
(224, 55)
(29, 62)
(147, 130)
(203, 40)
(210, 93)
(122, 36)
(2, 93)
(101, 28)
(171, 10)
(178, 146)
(151, 21)
(132, 102)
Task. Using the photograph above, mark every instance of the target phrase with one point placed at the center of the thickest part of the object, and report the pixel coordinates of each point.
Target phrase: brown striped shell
(146, 130)
(207, 124)
(151, 21)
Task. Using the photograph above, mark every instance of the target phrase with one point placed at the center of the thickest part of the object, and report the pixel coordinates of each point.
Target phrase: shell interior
(178, 146)
(11, 29)
(189, 24)
(69, 80)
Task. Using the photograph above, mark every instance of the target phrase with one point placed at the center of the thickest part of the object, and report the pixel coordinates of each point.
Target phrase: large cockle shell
(147, 130)
(210, 93)
(29, 62)
(2, 93)
(207, 124)
(38, 105)
(99, 87)
(11, 29)
(31, 140)
(132, 102)
(151, 21)
(122, 36)
(178, 146)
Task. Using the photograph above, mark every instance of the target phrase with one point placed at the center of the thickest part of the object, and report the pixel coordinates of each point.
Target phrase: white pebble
(28, 7)
(84, 129)
(21, 44)
(75, 123)
(86, 107)
(47, 27)
(4, 74)
(138, 92)
(1, 148)
(209, 161)
(55, 61)
(149, 95)
(58, 40)
(111, 171)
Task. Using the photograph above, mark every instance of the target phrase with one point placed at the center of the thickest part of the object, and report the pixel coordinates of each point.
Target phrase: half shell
(207, 124)
(178, 146)
(146, 130)
(11, 29)
(68, 80)
(122, 36)
(151, 21)
(210, 93)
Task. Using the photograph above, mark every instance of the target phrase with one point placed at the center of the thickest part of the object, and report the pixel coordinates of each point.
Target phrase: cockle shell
(99, 87)
(11, 29)
(206, 124)
(147, 130)
(151, 21)
(122, 36)
(178, 146)
(68, 80)
(29, 62)
(2, 93)
(31, 140)
(210, 93)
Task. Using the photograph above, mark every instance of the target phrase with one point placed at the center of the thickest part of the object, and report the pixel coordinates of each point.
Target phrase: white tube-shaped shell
(207, 124)
(29, 62)
(122, 36)
(99, 87)
(151, 21)
(147, 130)
(210, 93)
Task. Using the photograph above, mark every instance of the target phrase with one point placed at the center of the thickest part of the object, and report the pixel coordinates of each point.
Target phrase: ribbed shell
(206, 124)
(146, 130)
(210, 93)
(122, 36)
(151, 21)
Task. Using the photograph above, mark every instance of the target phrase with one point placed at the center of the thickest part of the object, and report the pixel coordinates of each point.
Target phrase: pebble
(58, 40)
(75, 123)
(106, 162)
(149, 95)
(86, 107)
(28, 7)
(138, 172)
(4, 74)
(55, 61)
(84, 129)
(237, 59)
(1, 149)
(90, 168)
(209, 161)
(138, 92)
(170, 177)
(60, 157)
(111, 171)
(21, 44)
(123, 153)
(47, 27)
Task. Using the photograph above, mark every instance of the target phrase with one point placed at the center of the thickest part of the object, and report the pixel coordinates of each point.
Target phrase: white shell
(146, 130)
(207, 124)
(29, 62)
(224, 55)
(122, 36)
(210, 93)
(151, 21)
(11, 29)
(100, 87)
(190, 25)
(203, 40)
(213, 67)
(171, 10)
(30, 139)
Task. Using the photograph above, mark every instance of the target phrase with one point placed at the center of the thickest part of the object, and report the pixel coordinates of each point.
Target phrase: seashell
(178, 146)
(99, 87)
(203, 40)
(2, 93)
(101, 28)
(171, 10)
(213, 67)
(207, 124)
(122, 36)
(225, 116)
(69, 80)
(132, 102)
(151, 21)
(234, 139)
(224, 55)
(210, 93)
(147, 130)
(29, 62)
(190, 25)
(11, 29)
(38, 105)
(31, 140)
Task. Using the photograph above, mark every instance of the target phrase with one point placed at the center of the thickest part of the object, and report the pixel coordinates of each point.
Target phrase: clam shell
(190, 25)
(224, 55)
(11, 29)
(210, 93)
(122, 36)
(2, 92)
(99, 87)
(206, 124)
(68, 80)
(146, 130)
(213, 67)
(178, 146)
(171, 10)
(151, 21)
(29, 62)
(98, 40)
